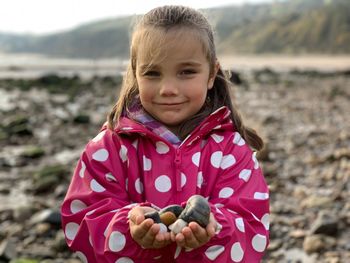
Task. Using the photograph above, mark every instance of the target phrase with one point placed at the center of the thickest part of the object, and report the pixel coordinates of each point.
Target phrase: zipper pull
(178, 172)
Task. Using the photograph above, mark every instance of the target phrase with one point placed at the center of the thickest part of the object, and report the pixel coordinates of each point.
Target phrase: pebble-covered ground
(303, 117)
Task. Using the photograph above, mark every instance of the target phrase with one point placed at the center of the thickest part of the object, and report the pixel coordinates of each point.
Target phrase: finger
(136, 215)
(139, 231)
(199, 232)
(180, 239)
(190, 239)
(148, 239)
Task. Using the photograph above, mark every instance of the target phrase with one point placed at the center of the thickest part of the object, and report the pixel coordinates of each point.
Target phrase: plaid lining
(138, 114)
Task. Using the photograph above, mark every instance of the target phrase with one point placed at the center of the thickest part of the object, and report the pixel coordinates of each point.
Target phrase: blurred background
(61, 66)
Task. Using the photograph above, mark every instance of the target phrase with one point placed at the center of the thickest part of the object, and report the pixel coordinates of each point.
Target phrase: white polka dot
(99, 136)
(214, 251)
(82, 169)
(81, 256)
(217, 127)
(245, 174)
(265, 220)
(91, 212)
(163, 183)
(110, 178)
(90, 241)
(196, 158)
(139, 186)
(124, 260)
(259, 243)
(199, 179)
(261, 196)
(161, 147)
(256, 163)
(116, 241)
(240, 224)
(158, 257)
(226, 192)
(217, 138)
(183, 179)
(71, 230)
(215, 159)
(100, 155)
(96, 187)
(237, 252)
(123, 153)
(76, 206)
(147, 164)
(227, 161)
(255, 217)
(135, 144)
(238, 139)
(203, 143)
(218, 228)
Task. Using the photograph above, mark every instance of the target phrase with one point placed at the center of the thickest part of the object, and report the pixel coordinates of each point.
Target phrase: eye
(151, 73)
(187, 72)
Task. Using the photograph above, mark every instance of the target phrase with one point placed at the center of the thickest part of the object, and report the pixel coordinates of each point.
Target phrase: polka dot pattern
(237, 252)
(147, 164)
(163, 183)
(81, 256)
(100, 155)
(217, 138)
(196, 158)
(259, 243)
(227, 161)
(183, 179)
(240, 224)
(116, 241)
(76, 206)
(99, 136)
(96, 187)
(162, 148)
(215, 159)
(123, 153)
(71, 230)
(245, 174)
(138, 186)
(226, 192)
(261, 196)
(82, 169)
(110, 178)
(214, 251)
(199, 179)
(124, 260)
(238, 140)
(265, 220)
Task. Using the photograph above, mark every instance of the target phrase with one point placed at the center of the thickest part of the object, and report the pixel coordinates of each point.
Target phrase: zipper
(177, 170)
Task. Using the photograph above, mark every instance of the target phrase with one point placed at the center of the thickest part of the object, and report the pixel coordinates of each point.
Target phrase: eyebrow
(181, 64)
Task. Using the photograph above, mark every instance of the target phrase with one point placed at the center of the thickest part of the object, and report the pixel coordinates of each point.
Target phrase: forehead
(159, 46)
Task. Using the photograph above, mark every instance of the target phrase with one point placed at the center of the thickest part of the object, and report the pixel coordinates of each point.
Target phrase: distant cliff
(293, 27)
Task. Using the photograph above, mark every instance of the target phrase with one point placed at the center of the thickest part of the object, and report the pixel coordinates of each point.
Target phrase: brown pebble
(168, 218)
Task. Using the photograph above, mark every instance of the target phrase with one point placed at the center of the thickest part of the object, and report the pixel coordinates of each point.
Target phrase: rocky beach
(303, 115)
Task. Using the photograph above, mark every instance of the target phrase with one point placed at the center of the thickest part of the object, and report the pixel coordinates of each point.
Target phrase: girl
(173, 133)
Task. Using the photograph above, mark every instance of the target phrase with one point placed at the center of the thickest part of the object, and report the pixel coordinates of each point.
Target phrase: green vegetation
(294, 27)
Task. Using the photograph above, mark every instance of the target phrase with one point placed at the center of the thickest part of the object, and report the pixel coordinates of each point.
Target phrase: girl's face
(174, 88)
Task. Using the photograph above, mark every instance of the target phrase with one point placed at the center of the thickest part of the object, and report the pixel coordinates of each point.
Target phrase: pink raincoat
(133, 166)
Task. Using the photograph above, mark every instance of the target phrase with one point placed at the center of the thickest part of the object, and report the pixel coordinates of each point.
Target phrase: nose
(169, 87)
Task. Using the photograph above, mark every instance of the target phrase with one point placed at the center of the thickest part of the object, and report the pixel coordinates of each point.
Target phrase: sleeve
(239, 200)
(95, 210)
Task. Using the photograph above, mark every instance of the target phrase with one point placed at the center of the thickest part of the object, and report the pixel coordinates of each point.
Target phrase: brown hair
(163, 19)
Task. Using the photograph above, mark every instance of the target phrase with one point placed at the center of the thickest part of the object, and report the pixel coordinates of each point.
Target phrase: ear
(213, 75)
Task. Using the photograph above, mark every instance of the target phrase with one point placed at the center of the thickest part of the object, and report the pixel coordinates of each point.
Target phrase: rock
(32, 151)
(326, 223)
(317, 243)
(47, 216)
(8, 249)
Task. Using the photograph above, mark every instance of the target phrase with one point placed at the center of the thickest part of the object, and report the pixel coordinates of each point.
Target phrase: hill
(293, 27)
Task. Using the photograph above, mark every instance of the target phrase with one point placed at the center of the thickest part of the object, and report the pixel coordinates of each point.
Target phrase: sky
(48, 16)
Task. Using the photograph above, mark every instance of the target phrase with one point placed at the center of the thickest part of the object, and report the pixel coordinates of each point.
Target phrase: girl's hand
(194, 236)
(146, 232)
